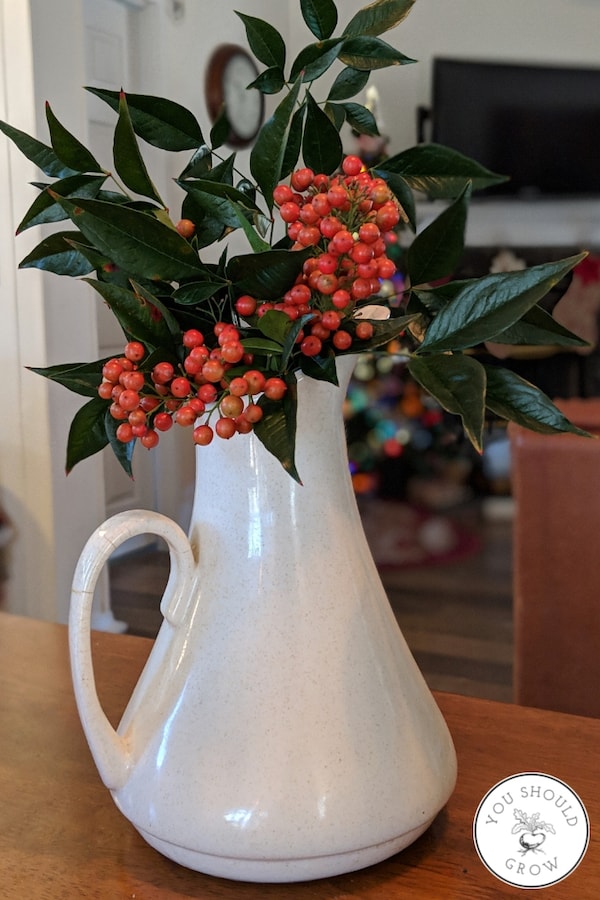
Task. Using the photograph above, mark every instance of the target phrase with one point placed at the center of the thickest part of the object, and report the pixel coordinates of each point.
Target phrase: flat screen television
(538, 124)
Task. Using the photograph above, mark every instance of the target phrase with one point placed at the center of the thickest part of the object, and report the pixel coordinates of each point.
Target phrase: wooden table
(62, 837)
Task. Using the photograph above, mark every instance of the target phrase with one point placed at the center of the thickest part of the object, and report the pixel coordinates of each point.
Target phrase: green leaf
(45, 210)
(199, 165)
(321, 368)
(371, 53)
(160, 122)
(274, 325)
(123, 452)
(294, 143)
(135, 241)
(87, 434)
(384, 331)
(511, 397)
(321, 145)
(277, 428)
(81, 378)
(315, 59)
(538, 327)
(197, 292)
(266, 276)
(266, 158)
(129, 162)
(488, 306)
(219, 133)
(265, 41)
(43, 156)
(458, 384)
(320, 16)
(360, 118)
(54, 254)
(133, 313)
(438, 171)
(436, 251)
(336, 113)
(379, 16)
(68, 149)
(166, 316)
(348, 83)
(271, 81)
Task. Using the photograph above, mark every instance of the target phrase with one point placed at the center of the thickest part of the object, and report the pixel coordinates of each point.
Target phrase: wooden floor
(456, 618)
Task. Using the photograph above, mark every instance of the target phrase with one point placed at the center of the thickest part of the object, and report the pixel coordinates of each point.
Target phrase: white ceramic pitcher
(280, 730)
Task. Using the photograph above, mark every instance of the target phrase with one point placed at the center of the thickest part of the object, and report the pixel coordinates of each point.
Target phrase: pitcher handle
(109, 749)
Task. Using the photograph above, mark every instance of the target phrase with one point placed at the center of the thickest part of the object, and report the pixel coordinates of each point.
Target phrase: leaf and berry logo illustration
(532, 831)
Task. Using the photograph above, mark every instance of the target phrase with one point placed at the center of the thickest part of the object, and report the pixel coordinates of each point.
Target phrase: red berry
(231, 406)
(282, 194)
(180, 387)
(192, 338)
(364, 331)
(129, 400)
(185, 416)
(163, 421)
(275, 388)
(331, 319)
(186, 228)
(311, 345)
(253, 413)
(245, 305)
(124, 433)
(351, 165)
(150, 439)
(207, 393)
(289, 211)
(111, 370)
(225, 427)
(203, 435)
(342, 340)
(256, 381)
(135, 351)
(162, 372)
(302, 178)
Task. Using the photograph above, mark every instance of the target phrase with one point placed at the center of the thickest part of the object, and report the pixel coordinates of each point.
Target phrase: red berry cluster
(148, 402)
(345, 218)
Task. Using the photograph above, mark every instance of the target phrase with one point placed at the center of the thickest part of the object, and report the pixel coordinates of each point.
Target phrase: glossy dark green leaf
(403, 193)
(199, 165)
(320, 16)
(458, 384)
(43, 156)
(277, 429)
(81, 378)
(348, 83)
(294, 143)
(266, 276)
(321, 145)
(160, 122)
(489, 305)
(379, 16)
(538, 327)
(221, 129)
(266, 158)
(134, 314)
(511, 397)
(123, 452)
(271, 81)
(45, 210)
(87, 434)
(129, 162)
(371, 53)
(54, 254)
(360, 119)
(336, 113)
(160, 312)
(274, 325)
(321, 368)
(135, 241)
(436, 251)
(261, 346)
(68, 148)
(439, 171)
(315, 59)
(197, 292)
(265, 41)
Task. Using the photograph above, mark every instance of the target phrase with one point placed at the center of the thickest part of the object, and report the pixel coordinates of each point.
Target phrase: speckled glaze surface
(281, 730)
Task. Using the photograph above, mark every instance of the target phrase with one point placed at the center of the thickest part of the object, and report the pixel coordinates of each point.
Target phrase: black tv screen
(540, 125)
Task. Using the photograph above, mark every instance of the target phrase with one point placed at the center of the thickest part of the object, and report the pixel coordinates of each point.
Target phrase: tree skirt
(403, 536)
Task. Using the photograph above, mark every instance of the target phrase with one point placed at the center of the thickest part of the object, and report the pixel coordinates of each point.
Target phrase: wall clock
(229, 70)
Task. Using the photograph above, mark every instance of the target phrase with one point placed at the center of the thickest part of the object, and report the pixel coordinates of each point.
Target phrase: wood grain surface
(61, 836)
